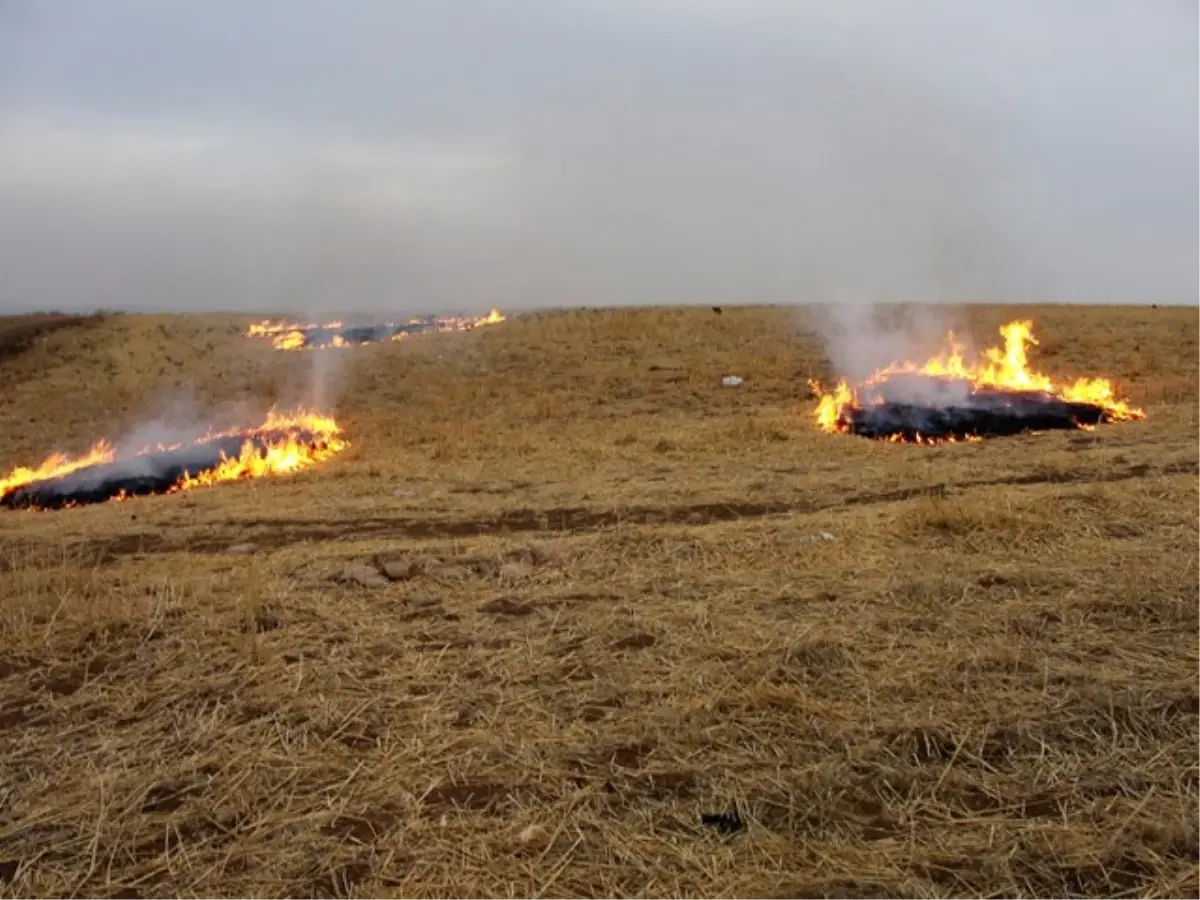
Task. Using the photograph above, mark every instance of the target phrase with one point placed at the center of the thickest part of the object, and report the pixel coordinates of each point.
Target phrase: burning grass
(285, 336)
(949, 398)
(285, 443)
(530, 635)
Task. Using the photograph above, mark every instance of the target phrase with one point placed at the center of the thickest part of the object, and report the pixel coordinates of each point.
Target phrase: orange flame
(297, 440)
(1006, 368)
(292, 336)
(451, 323)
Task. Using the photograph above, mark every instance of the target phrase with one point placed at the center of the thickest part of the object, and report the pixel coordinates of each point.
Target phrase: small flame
(1006, 368)
(284, 443)
(450, 323)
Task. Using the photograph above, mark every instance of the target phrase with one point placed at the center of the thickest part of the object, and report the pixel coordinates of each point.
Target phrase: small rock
(363, 575)
(421, 601)
(449, 573)
(731, 381)
(823, 536)
(399, 569)
(542, 553)
(241, 549)
(534, 837)
(513, 571)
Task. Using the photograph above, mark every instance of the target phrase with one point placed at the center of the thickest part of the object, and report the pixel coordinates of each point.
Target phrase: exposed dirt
(570, 618)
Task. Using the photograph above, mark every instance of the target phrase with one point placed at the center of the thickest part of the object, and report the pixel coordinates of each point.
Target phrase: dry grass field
(612, 608)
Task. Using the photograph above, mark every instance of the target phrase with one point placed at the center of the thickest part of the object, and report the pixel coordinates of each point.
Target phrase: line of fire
(283, 444)
(293, 336)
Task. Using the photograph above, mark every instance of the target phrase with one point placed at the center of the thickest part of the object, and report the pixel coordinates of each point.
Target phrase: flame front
(308, 439)
(55, 466)
(284, 443)
(1004, 368)
(292, 336)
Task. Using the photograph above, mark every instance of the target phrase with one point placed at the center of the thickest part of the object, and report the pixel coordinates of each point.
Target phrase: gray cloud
(426, 155)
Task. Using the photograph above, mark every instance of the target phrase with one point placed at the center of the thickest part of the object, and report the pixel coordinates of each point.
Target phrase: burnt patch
(150, 473)
(982, 413)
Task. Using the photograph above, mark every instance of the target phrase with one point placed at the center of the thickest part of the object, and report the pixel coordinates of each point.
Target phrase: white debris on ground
(731, 380)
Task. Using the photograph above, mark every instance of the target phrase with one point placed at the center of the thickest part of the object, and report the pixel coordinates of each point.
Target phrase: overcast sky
(424, 155)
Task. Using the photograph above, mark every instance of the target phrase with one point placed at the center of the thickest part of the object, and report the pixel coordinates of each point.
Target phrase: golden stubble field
(612, 606)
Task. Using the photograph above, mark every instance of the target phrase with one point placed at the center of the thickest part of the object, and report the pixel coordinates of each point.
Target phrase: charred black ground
(931, 409)
(150, 473)
(1001, 416)
(319, 336)
(322, 336)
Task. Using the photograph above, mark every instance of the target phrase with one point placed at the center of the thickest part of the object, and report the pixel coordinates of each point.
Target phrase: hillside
(624, 596)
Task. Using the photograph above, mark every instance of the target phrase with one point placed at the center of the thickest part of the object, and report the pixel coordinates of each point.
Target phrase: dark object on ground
(984, 413)
(152, 473)
(717, 310)
(726, 823)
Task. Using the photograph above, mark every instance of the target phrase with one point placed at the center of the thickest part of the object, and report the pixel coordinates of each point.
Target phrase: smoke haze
(423, 156)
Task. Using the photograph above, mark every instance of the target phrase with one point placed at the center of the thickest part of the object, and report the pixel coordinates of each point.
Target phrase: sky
(426, 155)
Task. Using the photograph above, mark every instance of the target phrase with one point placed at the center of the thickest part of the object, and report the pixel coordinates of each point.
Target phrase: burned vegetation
(950, 398)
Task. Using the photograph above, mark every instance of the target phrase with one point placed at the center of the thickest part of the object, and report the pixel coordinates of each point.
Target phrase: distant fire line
(292, 336)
